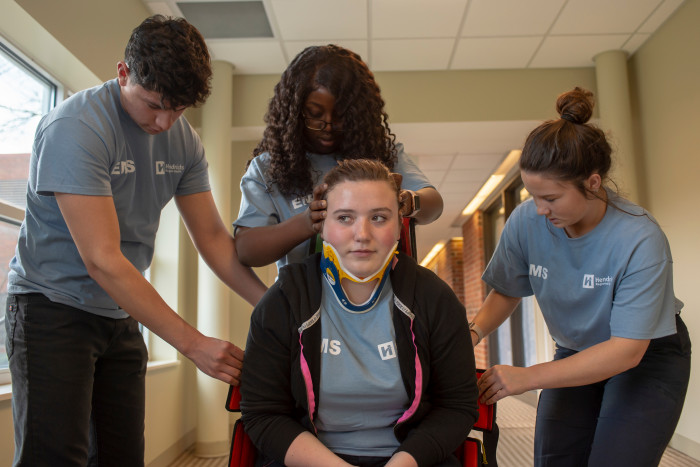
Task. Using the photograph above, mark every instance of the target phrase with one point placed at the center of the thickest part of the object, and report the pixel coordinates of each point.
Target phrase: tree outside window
(25, 96)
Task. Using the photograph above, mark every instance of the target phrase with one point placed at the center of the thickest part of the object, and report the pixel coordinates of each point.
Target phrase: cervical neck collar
(332, 269)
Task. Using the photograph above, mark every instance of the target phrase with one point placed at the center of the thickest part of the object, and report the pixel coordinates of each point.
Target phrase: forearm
(430, 205)
(307, 451)
(93, 224)
(260, 246)
(221, 256)
(402, 459)
(125, 284)
(589, 366)
(493, 312)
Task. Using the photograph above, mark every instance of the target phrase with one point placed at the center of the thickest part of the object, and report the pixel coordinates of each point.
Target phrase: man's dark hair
(169, 56)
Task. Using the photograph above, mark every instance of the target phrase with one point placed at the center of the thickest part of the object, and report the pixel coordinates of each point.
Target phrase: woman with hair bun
(327, 107)
(601, 270)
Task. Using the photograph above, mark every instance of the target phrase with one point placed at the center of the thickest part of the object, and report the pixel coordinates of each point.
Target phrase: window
(26, 94)
(515, 342)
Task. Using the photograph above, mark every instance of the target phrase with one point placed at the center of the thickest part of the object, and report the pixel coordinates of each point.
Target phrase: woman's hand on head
(317, 208)
(406, 206)
(501, 381)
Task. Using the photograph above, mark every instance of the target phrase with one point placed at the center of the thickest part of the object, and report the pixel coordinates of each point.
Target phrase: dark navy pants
(625, 420)
(78, 385)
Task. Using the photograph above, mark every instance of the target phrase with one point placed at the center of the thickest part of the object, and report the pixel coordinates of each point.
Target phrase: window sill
(160, 365)
(5, 392)
(6, 389)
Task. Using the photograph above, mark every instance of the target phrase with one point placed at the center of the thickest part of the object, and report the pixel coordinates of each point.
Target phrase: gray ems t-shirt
(361, 393)
(616, 280)
(89, 145)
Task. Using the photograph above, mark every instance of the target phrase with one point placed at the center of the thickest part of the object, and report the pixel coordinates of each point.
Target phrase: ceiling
(419, 35)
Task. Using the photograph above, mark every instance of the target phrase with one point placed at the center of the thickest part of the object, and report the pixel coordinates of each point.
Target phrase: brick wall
(460, 263)
(474, 261)
(447, 264)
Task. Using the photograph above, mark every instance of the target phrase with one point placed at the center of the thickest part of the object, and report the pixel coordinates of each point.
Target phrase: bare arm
(493, 312)
(260, 246)
(591, 365)
(93, 224)
(430, 202)
(402, 459)
(594, 364)
(216, 245)
(307, 451)
(430, 205)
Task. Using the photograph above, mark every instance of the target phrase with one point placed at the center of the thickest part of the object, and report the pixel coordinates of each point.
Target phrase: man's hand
(317, 208)
(218, 359)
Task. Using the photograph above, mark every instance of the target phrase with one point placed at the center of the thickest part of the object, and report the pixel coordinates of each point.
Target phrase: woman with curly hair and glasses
(327, 107)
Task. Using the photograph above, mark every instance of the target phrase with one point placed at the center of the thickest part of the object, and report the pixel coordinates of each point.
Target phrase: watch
(473, 327)
(416, 203)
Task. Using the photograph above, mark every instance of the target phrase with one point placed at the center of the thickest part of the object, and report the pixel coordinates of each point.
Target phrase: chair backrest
(488, 426)
(407, 241)
(487, 413)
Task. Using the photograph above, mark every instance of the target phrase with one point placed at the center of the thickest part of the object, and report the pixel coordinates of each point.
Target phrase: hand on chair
(501, 381)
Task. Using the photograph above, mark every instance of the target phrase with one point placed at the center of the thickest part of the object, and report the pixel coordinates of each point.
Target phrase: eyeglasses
(317, 124)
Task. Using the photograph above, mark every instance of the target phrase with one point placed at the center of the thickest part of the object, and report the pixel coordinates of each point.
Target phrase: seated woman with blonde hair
(358, 356)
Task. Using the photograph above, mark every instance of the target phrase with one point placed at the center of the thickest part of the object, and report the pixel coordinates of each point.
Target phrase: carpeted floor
(516, 420)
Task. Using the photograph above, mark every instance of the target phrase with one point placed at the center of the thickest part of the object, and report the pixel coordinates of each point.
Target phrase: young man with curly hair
(104, 164)
(327, 107)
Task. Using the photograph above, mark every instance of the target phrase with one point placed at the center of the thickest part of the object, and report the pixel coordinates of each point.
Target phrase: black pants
(625, 420)
(78, 385)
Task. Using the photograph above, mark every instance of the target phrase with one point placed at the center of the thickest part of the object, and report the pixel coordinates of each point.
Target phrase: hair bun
(576, 105)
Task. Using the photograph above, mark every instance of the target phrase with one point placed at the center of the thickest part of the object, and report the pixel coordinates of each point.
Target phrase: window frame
(10, 213)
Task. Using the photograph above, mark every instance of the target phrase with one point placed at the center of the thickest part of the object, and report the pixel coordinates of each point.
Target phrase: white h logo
(588, 281)
(387, 350)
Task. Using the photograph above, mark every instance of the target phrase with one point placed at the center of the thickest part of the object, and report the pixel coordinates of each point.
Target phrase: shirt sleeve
(72, 158)
(644, 304)
(507, 271)
(257, 206)
(196, 178)
(413, 178)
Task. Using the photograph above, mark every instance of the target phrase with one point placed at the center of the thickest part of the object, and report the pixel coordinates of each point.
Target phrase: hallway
(516, 420)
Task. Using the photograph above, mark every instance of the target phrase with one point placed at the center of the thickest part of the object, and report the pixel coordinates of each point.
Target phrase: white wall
(666, 73)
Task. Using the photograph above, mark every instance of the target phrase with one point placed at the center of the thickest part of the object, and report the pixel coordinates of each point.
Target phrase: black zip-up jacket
(280, 386)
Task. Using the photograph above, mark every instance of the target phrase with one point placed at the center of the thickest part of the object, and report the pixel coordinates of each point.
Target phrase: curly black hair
(358, 102)
(169, 56)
